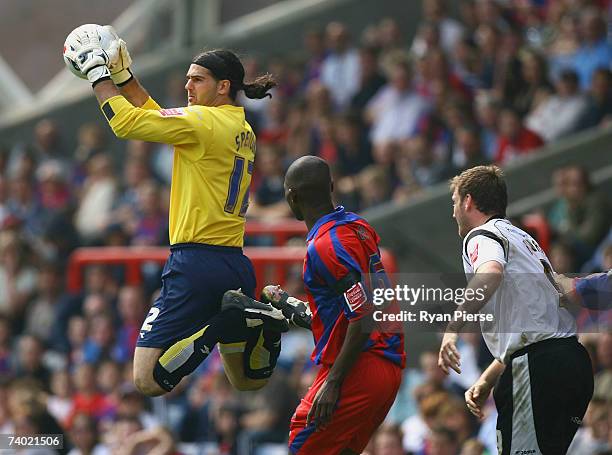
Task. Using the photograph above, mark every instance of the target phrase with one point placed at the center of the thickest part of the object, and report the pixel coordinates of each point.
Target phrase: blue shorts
(194, 280)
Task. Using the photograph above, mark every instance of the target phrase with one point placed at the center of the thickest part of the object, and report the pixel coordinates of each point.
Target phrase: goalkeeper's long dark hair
(224, 64)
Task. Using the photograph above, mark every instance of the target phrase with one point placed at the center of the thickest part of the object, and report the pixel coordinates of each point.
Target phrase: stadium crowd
(393, 117)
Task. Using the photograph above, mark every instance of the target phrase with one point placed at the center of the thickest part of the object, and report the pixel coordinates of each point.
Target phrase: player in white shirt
(542, 376)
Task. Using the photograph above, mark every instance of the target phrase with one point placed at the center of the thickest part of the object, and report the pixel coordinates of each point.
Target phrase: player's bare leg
(145, 360)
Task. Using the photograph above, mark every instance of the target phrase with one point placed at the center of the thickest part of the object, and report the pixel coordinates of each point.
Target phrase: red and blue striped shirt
(342, 244)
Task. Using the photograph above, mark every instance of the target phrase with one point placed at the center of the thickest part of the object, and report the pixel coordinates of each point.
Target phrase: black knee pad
(164, 378)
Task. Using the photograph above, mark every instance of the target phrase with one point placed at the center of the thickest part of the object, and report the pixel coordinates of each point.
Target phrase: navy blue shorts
(194, 280)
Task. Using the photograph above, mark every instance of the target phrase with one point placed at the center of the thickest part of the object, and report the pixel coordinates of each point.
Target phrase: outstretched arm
(593, 291)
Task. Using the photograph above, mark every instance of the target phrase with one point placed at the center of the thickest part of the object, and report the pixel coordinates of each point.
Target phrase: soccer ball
(73, 44)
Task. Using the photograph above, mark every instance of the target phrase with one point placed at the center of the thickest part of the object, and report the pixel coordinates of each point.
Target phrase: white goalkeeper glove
(119, 59)
(91, 59)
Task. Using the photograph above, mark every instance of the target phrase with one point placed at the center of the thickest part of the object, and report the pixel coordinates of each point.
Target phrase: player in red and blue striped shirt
(360, 364)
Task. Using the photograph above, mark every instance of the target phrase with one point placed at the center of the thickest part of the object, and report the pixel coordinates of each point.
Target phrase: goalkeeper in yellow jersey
(214, 150)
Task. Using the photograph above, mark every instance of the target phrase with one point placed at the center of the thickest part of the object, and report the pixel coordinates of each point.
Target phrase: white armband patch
(355, 297)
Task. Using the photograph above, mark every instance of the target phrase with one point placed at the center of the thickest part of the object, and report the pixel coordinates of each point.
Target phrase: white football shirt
(525, 307)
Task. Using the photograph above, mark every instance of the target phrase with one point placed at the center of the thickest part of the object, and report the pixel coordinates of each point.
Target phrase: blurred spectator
(592, 437)
(314, 43)
(85, 437)
(268, 200)
(33, 419)
(490, 12)
(87, 399)
(227, 428)
(340, 71)
(123, 429)
(131, 306)
(46, 147)
(29, 362)
(565, 41)
(603, 378)
(600, 98)
(472, 447)
(425, 169)
(495, 64)
(132, 404)
(136, 171)
(52, 186)
(5, 156)
(17, 277)
(77, 328)
(469, 67)
(24, 206)
(274, 129)
(41, 311)
(426, 39)
(91, 139)
(595, 51)
(353, 147)
(268, 413)
(298, 138)
(158, 441)
(562, 258)
(98, 280)
(99, 192)
(147, 225)
(514, 138)
(450, 31)
(371, 78)
(110, 380)
(6, 363)
(534, 73)
(506, 65)
(374, 186)
(581, 215)
(560, 114)
(396, 109)
(455, 416)
(100, 344)
(59, 402)
(438, 73)
(388, 441)
(417, 428)
(487, 111)
(443, 441)
(4, 195)
(468, 151)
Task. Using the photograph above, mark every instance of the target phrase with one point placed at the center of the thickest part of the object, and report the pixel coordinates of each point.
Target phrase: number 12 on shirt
(234, 187)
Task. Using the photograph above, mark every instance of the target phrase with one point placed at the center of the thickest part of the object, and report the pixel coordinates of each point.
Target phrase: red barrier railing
(280, 232)
(271, 264)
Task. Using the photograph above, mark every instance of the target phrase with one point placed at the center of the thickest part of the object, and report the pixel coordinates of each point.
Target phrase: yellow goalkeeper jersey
(214, 150)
